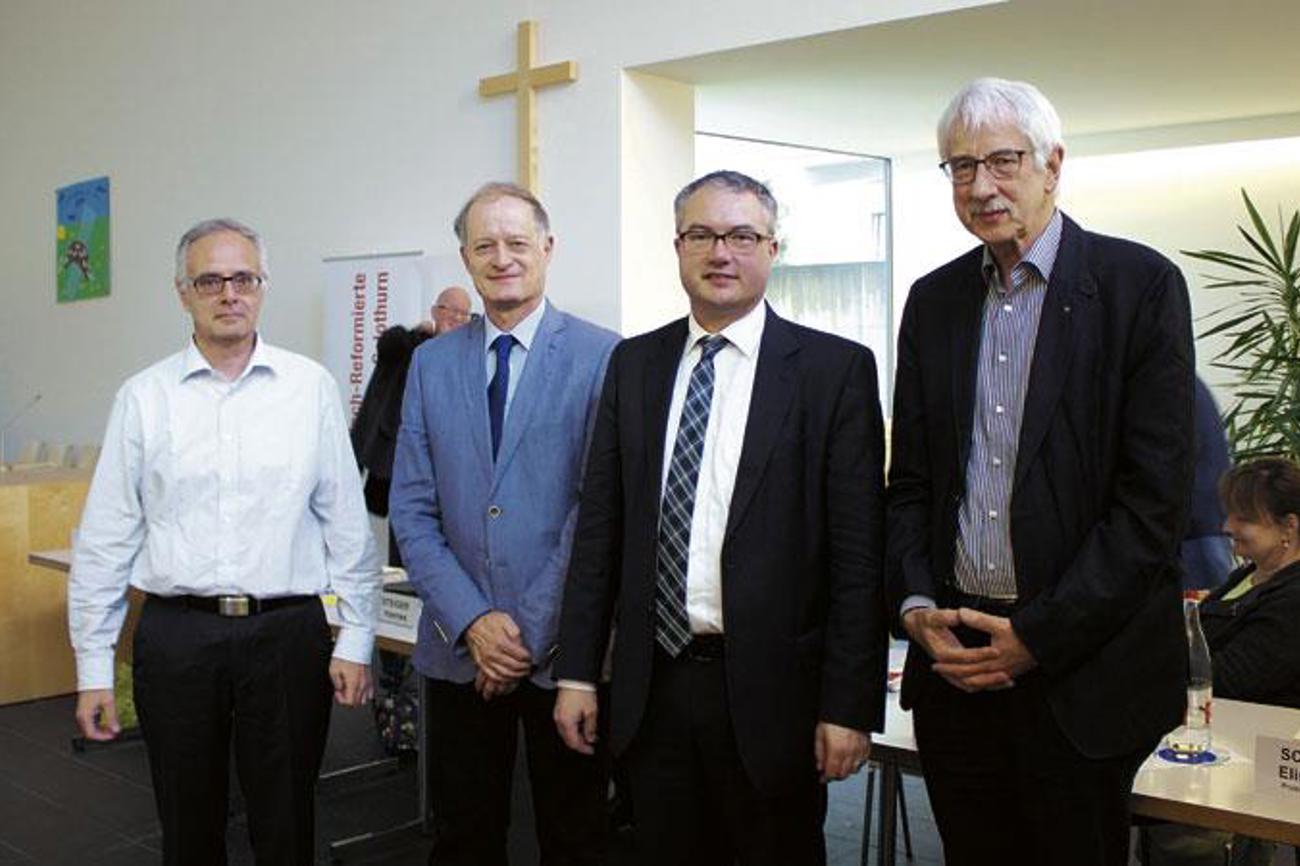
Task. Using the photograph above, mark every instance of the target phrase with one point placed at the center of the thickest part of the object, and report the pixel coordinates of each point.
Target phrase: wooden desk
(1220, 797)
(38, 509)
(61, 561)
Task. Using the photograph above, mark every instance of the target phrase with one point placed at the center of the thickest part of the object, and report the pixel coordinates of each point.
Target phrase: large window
(833, 272)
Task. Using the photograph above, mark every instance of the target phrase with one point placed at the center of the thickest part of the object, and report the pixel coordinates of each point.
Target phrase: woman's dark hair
(1267, 487)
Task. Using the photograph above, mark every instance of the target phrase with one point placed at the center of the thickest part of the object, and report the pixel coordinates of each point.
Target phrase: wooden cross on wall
(524, 82)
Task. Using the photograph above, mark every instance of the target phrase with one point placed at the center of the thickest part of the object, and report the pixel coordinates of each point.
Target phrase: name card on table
(1277, 766)
(400, 610)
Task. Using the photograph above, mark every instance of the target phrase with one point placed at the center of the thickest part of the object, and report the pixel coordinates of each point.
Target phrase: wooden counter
(38, 509)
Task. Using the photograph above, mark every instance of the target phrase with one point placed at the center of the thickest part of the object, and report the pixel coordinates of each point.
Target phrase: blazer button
(494, 511)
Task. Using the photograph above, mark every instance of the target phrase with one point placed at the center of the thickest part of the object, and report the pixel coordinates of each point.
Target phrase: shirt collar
(193, 362)
(1041, 255)
(524, 332)
(746, 333)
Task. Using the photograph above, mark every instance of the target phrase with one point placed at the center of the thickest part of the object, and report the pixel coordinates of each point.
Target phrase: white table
(1220, 797)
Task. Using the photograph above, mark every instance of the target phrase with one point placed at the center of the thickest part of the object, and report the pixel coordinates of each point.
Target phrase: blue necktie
(499, 388)
(673, 627)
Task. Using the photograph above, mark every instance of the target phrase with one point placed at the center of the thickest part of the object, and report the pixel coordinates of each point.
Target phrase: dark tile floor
(96, 807)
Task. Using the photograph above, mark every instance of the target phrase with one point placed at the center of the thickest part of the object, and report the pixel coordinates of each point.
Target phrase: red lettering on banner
(357, 357)
(381, 311)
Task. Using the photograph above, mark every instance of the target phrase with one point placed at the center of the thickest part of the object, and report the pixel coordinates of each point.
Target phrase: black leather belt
(233, 605)
(982, 603)
(705, 647)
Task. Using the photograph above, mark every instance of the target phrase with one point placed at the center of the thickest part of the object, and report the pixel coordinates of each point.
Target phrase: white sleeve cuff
(94, 671)
(914, 601)
(355, 644)
(576, 685)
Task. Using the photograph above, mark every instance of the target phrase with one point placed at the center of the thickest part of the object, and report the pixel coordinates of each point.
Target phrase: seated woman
(1250, 623)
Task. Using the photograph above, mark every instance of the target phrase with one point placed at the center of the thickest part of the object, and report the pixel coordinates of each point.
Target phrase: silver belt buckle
(233, 605)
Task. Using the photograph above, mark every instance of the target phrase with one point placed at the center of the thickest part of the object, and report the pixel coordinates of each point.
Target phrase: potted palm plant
(1262, 329)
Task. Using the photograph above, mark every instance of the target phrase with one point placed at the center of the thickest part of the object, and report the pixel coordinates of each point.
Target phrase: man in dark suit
(1041, 468)
(732, 524)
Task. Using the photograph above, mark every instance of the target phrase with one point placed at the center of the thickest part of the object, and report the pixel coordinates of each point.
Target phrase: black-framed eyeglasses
(737, 240)
(458, 315)
(1002, 164)
(210, 285)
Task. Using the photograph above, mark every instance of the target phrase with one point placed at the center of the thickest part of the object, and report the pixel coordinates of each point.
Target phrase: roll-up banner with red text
(365, 296)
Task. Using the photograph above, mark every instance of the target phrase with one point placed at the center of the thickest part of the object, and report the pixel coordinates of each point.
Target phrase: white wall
(332, 126)
(658, 156)
(1172, 188)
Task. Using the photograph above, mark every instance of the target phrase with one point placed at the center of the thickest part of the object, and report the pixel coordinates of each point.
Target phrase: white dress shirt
(209, 487)
(733, 385)
(524, 333)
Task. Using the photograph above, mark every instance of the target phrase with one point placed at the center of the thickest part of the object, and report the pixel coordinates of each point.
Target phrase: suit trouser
(472, 746)
(201, 680)
(692, 801)
(1007, 787)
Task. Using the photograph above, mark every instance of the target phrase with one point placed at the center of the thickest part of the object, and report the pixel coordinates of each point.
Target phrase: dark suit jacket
(1101, 486)
(1254, 641)
(801, 560)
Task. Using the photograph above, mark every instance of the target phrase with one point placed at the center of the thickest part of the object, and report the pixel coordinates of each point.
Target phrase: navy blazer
(478, 535)
(801, 555)
(1101, 486)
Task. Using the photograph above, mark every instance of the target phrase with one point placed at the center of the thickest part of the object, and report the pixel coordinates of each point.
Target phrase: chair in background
(31, 452)
(86, 457)
(867, 815)
(58, 455)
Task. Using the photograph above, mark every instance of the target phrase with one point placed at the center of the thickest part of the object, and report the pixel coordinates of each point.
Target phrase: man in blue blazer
(484, 500)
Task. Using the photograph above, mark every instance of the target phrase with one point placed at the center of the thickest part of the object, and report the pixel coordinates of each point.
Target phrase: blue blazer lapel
(774, 388)
(534, 386)
(473, 383)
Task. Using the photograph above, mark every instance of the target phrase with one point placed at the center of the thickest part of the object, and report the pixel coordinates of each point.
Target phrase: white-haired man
(227, 492)
(1041, 469)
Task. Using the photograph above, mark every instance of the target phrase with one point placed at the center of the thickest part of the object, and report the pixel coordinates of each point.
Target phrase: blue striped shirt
(984, 562)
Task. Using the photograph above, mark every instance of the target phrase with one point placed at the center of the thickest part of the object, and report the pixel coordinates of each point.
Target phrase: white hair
(986, 101)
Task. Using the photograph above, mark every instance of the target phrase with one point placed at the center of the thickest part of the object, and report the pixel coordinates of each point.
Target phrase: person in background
(374, 435)
(226, 492)
(374, 430)
(1206, 551)
(1250, 624)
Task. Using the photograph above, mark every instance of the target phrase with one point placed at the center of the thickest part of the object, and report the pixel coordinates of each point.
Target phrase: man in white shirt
(732, 528)
(227, 493)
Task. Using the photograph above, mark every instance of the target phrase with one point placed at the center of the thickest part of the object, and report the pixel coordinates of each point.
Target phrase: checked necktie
(499, 387)
(673, 629)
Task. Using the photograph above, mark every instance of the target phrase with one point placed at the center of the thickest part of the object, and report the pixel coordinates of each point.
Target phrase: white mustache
(993, 204)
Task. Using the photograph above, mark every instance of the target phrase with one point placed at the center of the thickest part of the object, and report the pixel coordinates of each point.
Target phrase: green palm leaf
(1262, 334)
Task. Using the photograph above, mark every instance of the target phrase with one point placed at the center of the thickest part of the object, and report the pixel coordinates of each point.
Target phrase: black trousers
(202, 680)
(1007, 787)
(472, 746)
(692, 802)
